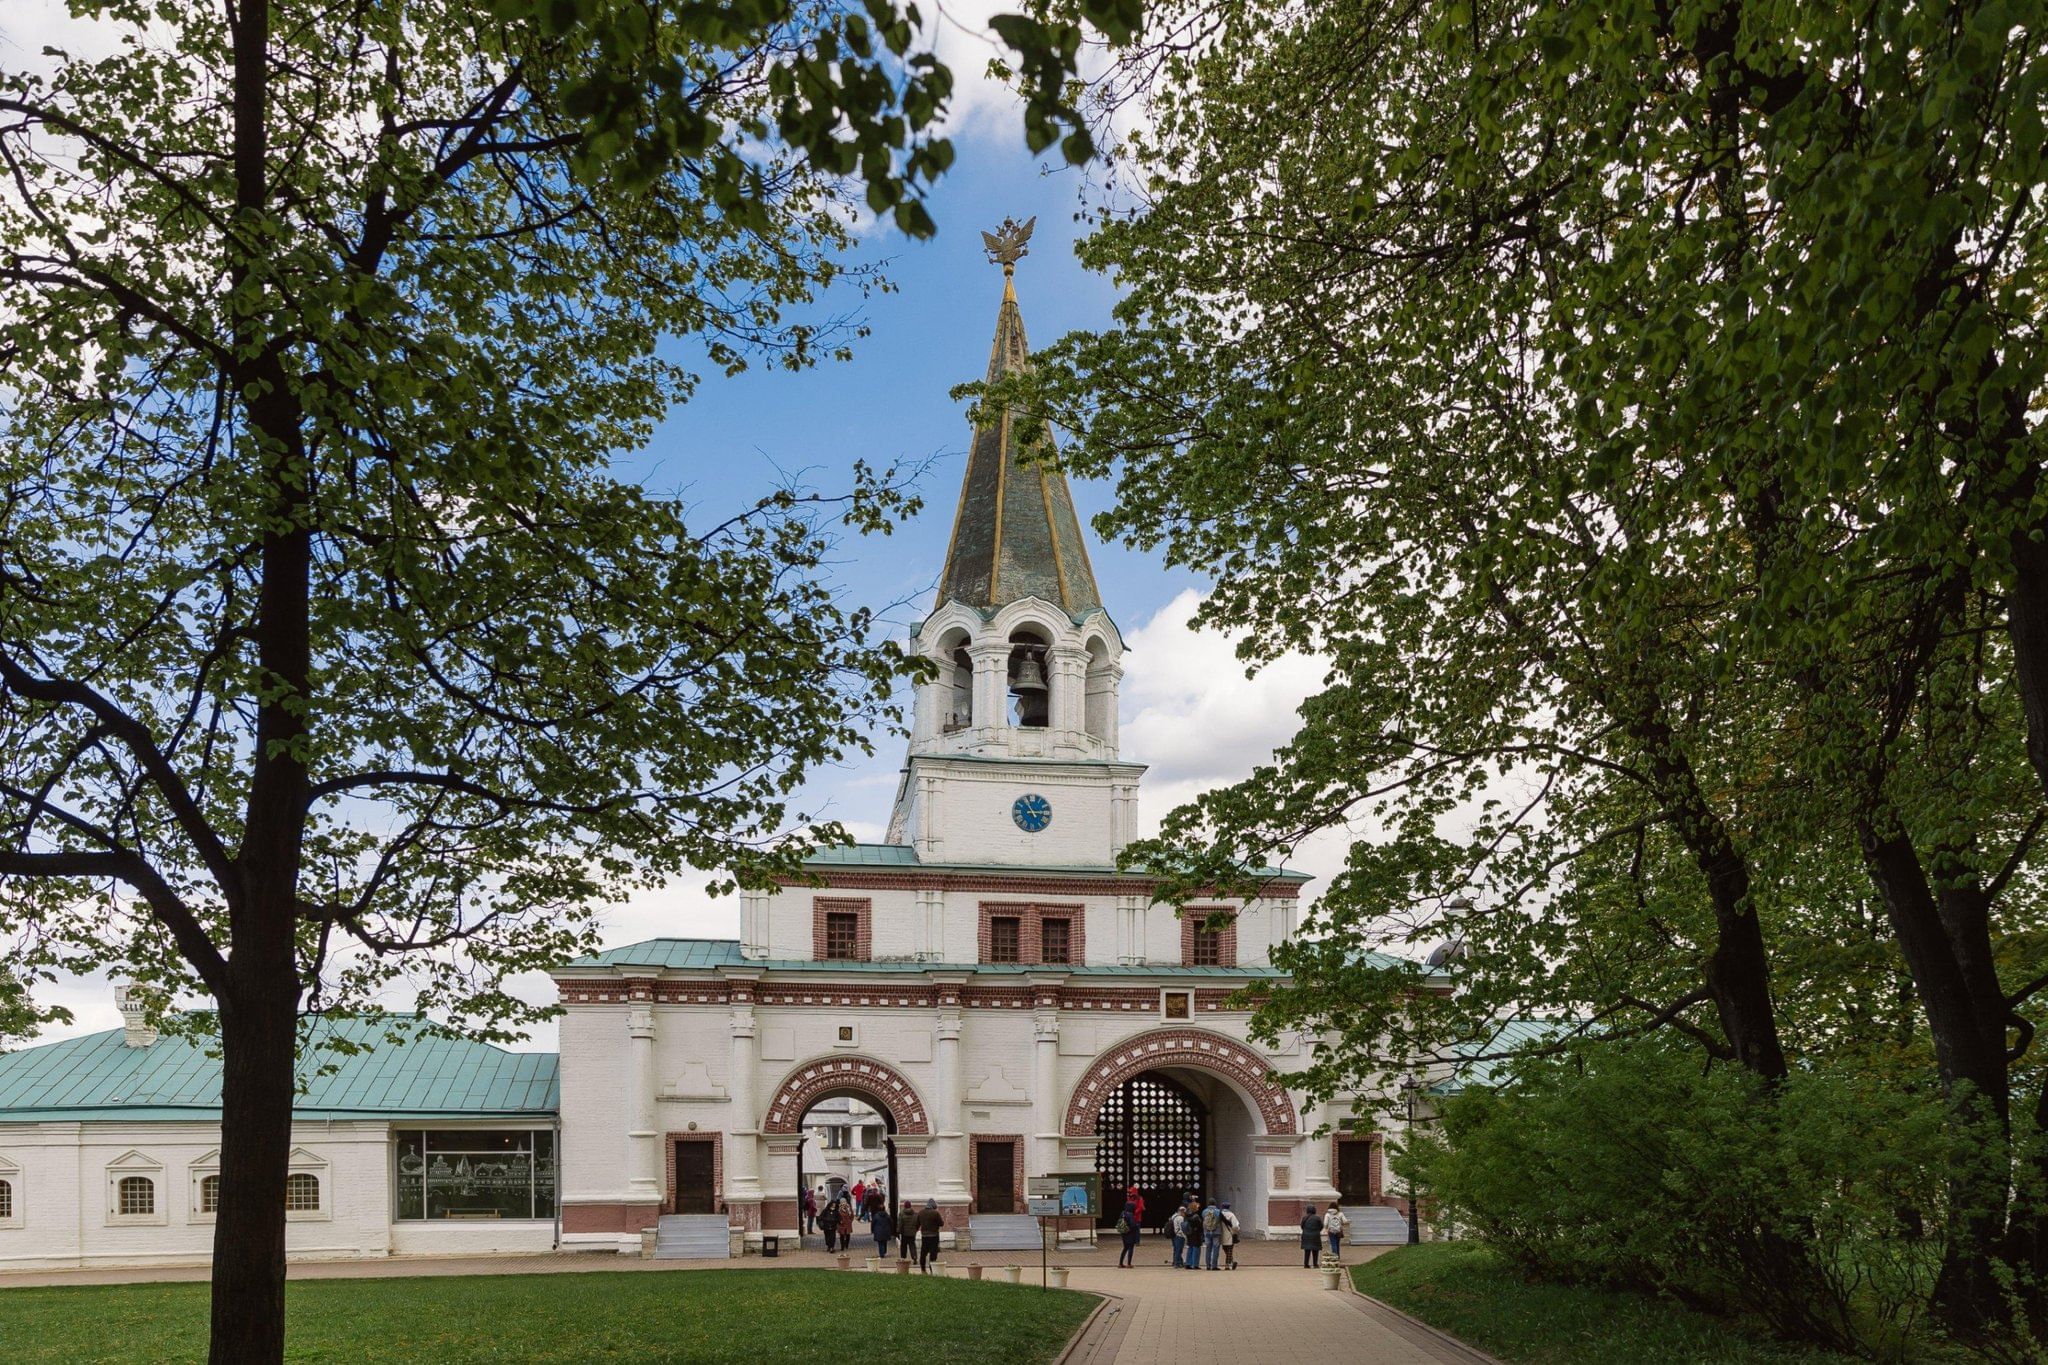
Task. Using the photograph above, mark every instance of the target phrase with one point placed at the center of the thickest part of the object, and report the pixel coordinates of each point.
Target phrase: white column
(742, 1137)
(1130, 919)
(991, 687)
(1123, 815)
(1047, 1104)
(949, 1138)
(1069, 668)
(929, 842)
(931, 925)
(753, 924)
(929, 710)
(643, 1138)
(1107, 681)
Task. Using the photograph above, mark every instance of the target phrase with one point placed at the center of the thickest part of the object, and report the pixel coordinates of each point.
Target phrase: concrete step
(1374, 1225)
(692, 1237)
(1003, 1232)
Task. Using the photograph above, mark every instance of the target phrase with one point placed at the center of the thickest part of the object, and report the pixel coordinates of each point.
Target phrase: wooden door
(995, 1183)
(694, 1192)
(1354, 1171)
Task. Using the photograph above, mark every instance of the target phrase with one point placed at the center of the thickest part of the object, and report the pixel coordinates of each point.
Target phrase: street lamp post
(1409, 1085)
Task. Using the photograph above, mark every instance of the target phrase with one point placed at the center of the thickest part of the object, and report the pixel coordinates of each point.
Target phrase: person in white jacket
(1334, 1223)
(1230, 1231)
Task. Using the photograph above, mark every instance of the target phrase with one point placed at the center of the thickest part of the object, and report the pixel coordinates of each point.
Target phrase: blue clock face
(1032, 813)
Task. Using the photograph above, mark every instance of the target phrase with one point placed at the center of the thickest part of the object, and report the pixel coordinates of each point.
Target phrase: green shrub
(1815, 1205)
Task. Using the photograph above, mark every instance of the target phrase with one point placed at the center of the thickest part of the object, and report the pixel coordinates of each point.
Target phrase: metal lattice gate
(1155, 1135)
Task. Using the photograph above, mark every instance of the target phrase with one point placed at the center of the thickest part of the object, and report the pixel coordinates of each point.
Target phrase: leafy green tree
(329, 649)
(1631, 404)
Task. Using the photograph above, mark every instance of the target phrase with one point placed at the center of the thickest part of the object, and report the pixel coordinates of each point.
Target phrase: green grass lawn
(754, 1317)
(1464, 1290)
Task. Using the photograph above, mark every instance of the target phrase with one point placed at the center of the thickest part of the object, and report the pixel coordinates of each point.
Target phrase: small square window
(1005, 939)
(1056, 941)
(1209, 948)
(135, 1196)
(301, 1192)
(1174, 1004)
(842, 935)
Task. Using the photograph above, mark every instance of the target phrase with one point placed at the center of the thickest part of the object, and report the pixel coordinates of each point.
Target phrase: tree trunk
(2027, 625)
(1967, 1297)
(259, 1033)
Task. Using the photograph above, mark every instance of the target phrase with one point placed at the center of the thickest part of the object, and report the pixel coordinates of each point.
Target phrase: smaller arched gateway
(864, 1078)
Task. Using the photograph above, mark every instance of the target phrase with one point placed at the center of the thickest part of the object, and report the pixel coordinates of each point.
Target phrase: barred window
(135, 1196)
(6, 1199)
(302, 1192)
(1209, 948)
(1005, 939)
(1056, 941)
(842, 935)
(209, 1194)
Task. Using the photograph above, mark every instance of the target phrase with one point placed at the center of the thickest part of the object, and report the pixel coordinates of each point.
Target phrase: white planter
(1058, 1275)
(1012, 1274)
(1330, 1275)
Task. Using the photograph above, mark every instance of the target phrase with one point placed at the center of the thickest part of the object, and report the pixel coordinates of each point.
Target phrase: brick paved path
(1275, 1315)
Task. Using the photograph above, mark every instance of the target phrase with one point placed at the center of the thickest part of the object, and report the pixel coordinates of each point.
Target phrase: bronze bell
(1033, 696)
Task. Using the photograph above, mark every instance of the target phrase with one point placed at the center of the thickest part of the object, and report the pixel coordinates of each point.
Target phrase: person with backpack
(929, 1222)
(881, 1229)
(1231, 1229)
(1334, 1223)
(1127, 1229)
(1311, 1238)
(1212, 1235)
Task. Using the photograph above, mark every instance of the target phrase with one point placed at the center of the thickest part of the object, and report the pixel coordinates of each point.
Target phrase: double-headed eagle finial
(1007, 243)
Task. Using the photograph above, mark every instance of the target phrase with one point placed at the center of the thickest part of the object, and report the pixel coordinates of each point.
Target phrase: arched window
(301, 1192)
(6, 1200)
(209, 1194)
(135, 1196)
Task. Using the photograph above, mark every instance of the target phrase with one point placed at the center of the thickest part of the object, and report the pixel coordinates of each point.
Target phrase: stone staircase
(1003, 1232)
(692, 1237)
(1374, 1225)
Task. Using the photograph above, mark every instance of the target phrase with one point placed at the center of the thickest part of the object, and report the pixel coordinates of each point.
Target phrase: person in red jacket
(860, 1200)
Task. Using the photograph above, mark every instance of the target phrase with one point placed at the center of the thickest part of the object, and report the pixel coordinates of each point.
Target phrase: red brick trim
(997, 998)
(833, 995)
(864, 932)
(780, 1214)
(1180, 1047)
(876, 1082)
(1031, 917)
(579, 992)
(1282, 1213)
(1016, 1141)
(668, 1158)
(1192, 918)
(878, 879)
(609, 1217)
(1111, 998)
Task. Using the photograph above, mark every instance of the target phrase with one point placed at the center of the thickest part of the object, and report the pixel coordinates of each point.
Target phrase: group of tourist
(1204, 1235)
(869, 1204)
(1316, 1226)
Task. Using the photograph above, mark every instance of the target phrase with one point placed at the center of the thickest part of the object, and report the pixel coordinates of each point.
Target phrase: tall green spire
(1016, 534)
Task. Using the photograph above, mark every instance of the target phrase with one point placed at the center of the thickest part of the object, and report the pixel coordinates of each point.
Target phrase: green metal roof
(704, 953)
(1512, 1035)
(420, 1076)
(905, 856)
